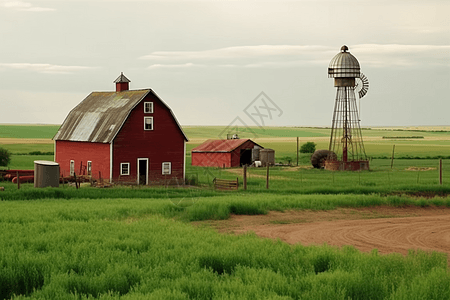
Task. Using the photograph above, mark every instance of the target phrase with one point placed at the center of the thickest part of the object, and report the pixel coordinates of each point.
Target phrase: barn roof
(101, 115)
(221, 145)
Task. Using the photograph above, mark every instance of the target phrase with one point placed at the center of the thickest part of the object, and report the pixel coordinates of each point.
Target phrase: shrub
(5, 157)
(308, 147)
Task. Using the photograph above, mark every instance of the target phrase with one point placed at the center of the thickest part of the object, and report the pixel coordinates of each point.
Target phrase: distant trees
(308, 147)
(5, 157)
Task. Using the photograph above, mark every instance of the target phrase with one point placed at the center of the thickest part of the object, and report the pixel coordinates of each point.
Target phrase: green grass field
(28, 132)
(139, 243)
(136, 249)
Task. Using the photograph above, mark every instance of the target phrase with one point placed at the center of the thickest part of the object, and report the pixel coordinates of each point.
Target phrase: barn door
(142, 171)
(246, 157)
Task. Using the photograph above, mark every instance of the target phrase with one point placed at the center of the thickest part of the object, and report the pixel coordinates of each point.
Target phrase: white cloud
(276, 56)
(24, 6)
(43, 68)
(377, 55)
(186, 65)
(233, 52)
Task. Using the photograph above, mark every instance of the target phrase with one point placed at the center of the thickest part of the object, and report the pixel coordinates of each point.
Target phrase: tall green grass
(124, 249)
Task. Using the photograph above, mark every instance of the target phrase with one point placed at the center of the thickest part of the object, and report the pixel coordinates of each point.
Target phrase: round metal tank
(344, 68)
(267, 157)
(255, 153)
(46, 173)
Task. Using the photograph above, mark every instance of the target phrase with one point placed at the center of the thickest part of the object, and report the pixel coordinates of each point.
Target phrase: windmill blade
(364, 85)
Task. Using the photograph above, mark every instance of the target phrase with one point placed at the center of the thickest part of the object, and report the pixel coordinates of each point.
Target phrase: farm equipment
(9, 175)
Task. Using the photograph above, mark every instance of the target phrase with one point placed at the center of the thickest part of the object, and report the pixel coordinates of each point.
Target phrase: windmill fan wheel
(319, 156)
(362, 85)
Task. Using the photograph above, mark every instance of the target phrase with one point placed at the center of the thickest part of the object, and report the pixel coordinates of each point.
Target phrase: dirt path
(384, 228)
(25, 141)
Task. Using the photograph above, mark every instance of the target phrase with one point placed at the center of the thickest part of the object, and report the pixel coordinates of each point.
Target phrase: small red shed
(224, 153)
(126, 135)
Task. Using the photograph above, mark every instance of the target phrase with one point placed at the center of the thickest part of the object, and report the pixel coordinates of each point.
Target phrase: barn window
(148, 123)
(148, 107)
(72, 167)
(89, 167)
(124, 168)
(166, 168)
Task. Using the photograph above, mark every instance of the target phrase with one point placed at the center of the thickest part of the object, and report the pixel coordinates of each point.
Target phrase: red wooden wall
(81, 152)
(211, 159)
(165, 143)
(220, 159)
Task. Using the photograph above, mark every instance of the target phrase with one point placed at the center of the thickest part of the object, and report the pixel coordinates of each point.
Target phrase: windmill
(346, 149)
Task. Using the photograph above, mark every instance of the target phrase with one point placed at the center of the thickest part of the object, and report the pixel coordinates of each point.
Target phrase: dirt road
(384, 228)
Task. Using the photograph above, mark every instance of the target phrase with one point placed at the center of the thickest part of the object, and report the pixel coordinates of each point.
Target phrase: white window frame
(169, 171)
(72, 167)
(150, 111)
(145, 122)
(121, 168)
(89, 167)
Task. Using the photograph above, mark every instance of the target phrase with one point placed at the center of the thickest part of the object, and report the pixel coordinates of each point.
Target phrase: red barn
(224, 153)
(126, 135)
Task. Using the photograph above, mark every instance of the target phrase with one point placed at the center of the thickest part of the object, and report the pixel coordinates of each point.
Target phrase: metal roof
(344, 64)
(221, 145)
(101, 115)
(122, 78)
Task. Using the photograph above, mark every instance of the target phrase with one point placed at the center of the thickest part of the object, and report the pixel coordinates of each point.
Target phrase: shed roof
(101, 115)
(221, 145)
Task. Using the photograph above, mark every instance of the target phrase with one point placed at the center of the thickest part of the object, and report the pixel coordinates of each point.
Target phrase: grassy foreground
(135, 249)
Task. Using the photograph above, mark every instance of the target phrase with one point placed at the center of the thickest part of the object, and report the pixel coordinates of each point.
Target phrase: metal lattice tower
(346, 143)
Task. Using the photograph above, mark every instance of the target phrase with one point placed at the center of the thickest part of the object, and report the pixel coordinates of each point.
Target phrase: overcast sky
(210, 60)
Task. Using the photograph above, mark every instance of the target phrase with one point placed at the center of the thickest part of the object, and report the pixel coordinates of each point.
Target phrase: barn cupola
(122, 83)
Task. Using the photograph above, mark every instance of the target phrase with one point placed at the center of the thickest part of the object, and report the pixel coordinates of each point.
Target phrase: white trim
(89, 168)
(129, 112)
(171, 112)
(146, 175)
(184, 161)
(145, 120)
(152, 107)
(54, 151)
(111, 161)
(121, 166)
(170, 168)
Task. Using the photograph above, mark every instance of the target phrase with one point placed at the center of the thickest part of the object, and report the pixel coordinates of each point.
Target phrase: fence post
(245, 177)
(75, 177)
(267, 177)
(18, 180)
(392, 158)
(297, 151)
(440, 171)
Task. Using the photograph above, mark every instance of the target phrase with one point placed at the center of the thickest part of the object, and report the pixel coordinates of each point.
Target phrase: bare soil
(387, 229)
(25, 141)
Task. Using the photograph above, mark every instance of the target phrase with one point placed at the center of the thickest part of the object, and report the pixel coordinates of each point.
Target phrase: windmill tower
(346, 149)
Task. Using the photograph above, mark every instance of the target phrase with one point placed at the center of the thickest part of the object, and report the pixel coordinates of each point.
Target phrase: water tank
(344, 68)
(255, 153)
(267, 157)
(46, 173)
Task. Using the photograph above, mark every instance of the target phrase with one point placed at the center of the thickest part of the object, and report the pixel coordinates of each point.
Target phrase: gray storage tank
(46, 173)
